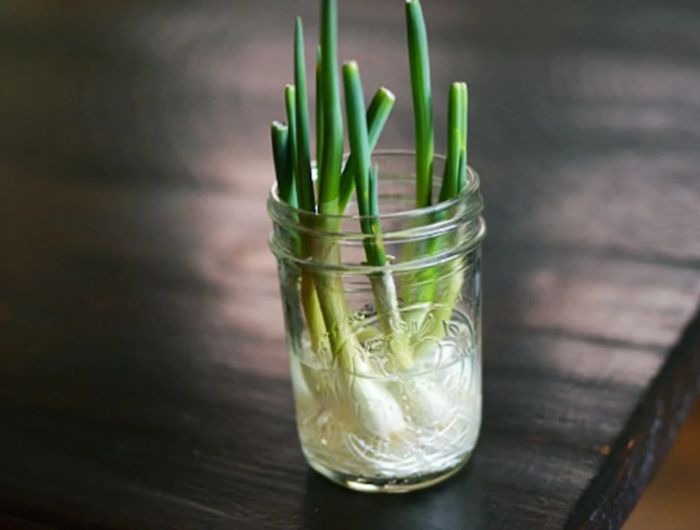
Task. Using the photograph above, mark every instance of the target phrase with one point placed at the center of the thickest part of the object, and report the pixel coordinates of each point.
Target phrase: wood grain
(143, 379)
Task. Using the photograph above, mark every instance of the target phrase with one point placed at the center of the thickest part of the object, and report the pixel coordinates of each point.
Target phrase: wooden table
(143, 379)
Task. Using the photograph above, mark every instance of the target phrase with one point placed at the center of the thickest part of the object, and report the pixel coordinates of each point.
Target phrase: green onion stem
(309, 298)
(374, 203)
(283, 164)
(329, 181)
(319, 110)
(359, 147)
(329, 286)
(425, 288)
(464, 93)
(465, 131)
(383, 286)
(455, 135)
(384, 290)
(312, 310)
(291, 106)
(462, 172)
(452, 280)
(419, 62)
(303, 162)
(305, 202)
(377, 115)
(422, 101)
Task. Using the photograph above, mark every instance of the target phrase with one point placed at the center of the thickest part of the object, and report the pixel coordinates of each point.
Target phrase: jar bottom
(388, 484)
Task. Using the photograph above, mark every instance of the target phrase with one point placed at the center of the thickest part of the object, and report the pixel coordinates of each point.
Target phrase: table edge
(640, 450)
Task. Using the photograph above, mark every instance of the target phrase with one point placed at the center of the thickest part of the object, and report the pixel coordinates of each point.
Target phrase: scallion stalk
(329, 180)
(359, 146)
(423, 286)
(303, 159)
(421, 87)
(305, 198)
(319, 110)
(303, 180)
(283, 164)
(419, 60)
(377, 115)
(383, 286)
(449, 275)
(291, 107)
(462, 179)
(329, 286)
(455, 134)
(464, 127)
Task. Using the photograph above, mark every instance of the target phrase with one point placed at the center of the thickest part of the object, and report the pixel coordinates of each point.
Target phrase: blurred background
(113, 91)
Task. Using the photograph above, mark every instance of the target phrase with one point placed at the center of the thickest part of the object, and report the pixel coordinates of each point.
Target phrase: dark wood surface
(143, 378)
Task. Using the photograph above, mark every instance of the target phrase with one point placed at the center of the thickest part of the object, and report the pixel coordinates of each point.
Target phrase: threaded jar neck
(442, 230)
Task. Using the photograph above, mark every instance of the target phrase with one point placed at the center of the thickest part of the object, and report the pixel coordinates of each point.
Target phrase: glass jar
(385, 361)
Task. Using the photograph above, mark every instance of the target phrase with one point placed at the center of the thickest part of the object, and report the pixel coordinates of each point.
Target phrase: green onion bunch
(323, 296)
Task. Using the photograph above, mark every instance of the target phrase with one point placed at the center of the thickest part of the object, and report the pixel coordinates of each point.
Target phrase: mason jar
(385, 361)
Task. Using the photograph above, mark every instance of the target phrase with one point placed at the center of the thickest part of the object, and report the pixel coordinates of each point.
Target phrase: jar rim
(411, 226)
(473, 187)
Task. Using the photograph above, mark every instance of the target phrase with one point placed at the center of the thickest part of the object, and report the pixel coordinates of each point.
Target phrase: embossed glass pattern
(383, 423)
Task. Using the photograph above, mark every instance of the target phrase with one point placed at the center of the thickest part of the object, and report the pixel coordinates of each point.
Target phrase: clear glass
(385, 361)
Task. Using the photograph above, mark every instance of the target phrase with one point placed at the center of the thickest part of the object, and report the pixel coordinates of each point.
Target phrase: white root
(376, 409)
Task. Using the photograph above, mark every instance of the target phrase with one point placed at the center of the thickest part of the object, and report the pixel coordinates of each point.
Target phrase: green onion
(419, 62)
(423, 286)
(359, 146)
(383, 286)
(329, 287)
(455, 135)
(303, 161)
(305, 198)
(291, 106)
(442, 285)
(464, 92)
(329, 181)
(377, 116)
(303, 180)
(283, 164)
(422, 101)
(465, 131)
